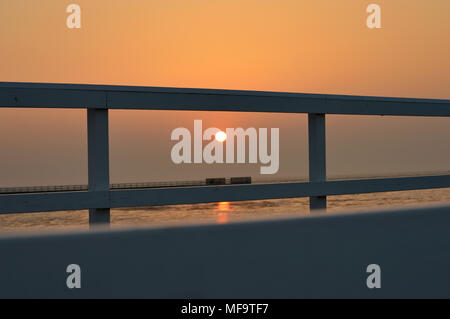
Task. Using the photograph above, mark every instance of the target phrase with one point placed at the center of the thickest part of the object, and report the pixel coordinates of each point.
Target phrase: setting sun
(221, 136)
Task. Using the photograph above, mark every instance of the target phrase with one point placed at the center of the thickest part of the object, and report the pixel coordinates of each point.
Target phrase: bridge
(99, 197)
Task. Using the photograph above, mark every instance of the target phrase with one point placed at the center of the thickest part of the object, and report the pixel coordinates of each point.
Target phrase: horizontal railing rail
(316, 257)
(77, 200)
(98, 99)
(155, 98)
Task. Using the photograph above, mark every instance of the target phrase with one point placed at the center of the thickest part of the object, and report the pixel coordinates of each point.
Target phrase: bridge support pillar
(317, 157)
(98, 161)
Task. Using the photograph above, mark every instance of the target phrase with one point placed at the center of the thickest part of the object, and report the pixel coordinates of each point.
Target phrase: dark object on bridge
(241, 180)
(215, 181)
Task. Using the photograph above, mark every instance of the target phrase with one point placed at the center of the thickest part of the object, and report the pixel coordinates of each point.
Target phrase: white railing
(98, 99)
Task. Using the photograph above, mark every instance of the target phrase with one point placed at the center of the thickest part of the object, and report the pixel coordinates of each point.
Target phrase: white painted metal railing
(98, 99)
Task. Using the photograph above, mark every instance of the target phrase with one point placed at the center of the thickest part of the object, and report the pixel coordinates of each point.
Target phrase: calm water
(222, 212)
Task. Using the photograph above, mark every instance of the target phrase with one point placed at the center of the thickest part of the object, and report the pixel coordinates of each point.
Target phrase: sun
(221, 136)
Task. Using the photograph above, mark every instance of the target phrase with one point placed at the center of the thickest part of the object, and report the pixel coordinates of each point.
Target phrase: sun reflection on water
(222, 212)
(223, 206)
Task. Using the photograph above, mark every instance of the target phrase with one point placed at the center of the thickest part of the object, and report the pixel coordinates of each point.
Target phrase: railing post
(98, 161)
(317, 157)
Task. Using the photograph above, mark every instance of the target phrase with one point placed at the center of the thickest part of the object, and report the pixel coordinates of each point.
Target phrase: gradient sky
(318, 46)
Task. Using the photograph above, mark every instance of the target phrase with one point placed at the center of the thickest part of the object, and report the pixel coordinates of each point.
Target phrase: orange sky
(306, 46)
(280, 45)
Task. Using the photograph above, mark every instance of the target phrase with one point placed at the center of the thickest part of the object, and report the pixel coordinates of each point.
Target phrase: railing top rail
(14, 94)
(175, 90)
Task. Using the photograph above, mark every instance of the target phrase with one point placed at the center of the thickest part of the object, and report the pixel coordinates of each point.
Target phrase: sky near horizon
(321, 46)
